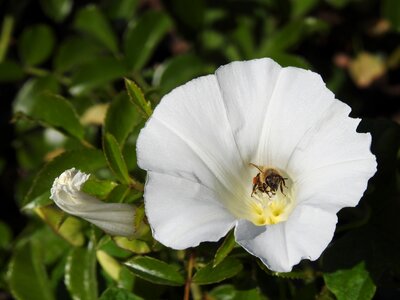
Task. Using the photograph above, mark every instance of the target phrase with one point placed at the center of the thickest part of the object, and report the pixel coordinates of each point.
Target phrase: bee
(268, 181)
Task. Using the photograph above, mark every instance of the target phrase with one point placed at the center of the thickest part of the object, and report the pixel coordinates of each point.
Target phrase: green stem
(7, 28)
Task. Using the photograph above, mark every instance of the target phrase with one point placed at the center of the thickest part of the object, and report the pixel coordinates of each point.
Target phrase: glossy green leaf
(96, 74)
(86, 160)
(122, 116)
(80, 273)
(226, 269)
(226, 247)
(67, 227)
(25, 100)
(91, 21)
(27, 276)
(58, 10)
(58, 113)
(98, 188)
(351, 284)
(155, 271)
(143, 36)
(135, 246)
(137, 98)
(36, 44)
(113, 293)
(114, 157)
(75, 51)
(391, 12)
(10, 71)
(120, 9)
(177, 71)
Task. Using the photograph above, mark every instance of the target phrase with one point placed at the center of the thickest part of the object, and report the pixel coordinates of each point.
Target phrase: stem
(137, 185)
(189, 276)
(7, 28)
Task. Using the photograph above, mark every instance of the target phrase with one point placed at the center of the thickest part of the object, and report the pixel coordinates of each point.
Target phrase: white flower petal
(113, 218)
(183, 213)
(247, 88)
(189, 136)
(304, 235)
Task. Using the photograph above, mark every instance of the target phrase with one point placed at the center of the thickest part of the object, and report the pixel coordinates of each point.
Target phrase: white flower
(202, 139)
(113, 218)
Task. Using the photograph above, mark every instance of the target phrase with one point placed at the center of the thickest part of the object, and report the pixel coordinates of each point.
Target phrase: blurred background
(62, 64)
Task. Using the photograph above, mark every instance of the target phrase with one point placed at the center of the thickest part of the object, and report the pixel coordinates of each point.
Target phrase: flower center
(272, 196)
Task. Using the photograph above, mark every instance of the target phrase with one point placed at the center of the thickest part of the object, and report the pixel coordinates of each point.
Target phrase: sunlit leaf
(36, 44)
(109, 264)
(91, 20)
(155, 271)
(135, 246)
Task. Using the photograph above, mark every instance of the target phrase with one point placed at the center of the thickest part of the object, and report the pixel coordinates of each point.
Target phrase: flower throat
(272, 195)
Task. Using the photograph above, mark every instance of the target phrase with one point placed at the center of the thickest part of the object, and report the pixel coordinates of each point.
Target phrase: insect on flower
(204, 139)
(268, 181)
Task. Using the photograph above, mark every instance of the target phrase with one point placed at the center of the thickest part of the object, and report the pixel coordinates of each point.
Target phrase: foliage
(82, 77)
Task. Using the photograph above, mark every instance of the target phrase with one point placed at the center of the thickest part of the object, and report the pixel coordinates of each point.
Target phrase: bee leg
(281, 187)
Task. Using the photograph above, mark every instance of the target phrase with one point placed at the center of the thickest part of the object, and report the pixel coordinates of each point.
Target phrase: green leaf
(351, 284)
(95, 74)
(286, 60)
(91, 21)
(155, 271)
(75, 51)
(226, 269)
(300, 8)
(113, 293)
(58, 10)
(58, 113)
(177, 71)
(5, 235)
(98, 188)
(80, 273)
(115, 159)
(135, 246)
(10, 71)
(120, 9)
(137, 98)
(391, 12)
(27, 277)
(122, 117)
(118, 194)
(226, 247)
(228, 292)
(69, 228)
(143, 36)
(25, 100)
(36, 44)
(86, 160)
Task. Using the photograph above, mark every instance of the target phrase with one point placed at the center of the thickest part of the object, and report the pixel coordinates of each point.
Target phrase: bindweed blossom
(113, 218)
(262, 149)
